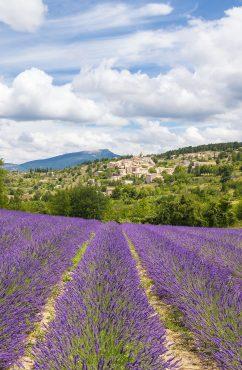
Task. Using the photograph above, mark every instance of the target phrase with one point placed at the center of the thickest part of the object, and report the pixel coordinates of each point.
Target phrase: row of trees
(89, 202)
(188, 211)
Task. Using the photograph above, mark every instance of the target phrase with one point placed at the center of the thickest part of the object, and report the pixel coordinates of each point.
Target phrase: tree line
(218, 147)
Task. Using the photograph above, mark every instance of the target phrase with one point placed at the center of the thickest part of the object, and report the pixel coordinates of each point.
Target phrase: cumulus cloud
(105, 95)
(22, 15)
(33, 95)
(176, 94)
(204, 80)
(196, 98)
(203, 59)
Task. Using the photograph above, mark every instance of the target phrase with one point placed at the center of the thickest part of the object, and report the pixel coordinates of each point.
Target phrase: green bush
(239, 210)
(80, 201)
(219, 213)
(3, 197)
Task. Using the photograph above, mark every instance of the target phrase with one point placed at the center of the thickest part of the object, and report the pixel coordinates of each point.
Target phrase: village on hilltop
(107, 174)
(145, 166)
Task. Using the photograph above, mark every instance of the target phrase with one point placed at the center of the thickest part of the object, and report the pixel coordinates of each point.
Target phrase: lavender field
(74, 294)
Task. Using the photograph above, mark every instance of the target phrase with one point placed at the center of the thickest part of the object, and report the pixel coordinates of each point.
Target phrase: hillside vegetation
(194, 186)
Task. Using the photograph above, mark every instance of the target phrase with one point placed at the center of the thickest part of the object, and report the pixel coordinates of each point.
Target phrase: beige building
(151, 177)
(137, 166)
(116, 178)
(109, 191)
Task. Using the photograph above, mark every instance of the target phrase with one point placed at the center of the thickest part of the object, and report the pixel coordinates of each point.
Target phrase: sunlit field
(73, 297)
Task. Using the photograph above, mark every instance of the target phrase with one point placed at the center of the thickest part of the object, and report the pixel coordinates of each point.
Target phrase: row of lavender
(104, 320)
(198, 271)
(221, 247)
(35, 251)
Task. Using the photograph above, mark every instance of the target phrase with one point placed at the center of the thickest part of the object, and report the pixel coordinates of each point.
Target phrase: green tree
(87, 202)
(184, 211)
(219, 213)
(226, 173)
(3, 197)
(15, 202)
(239, 210)
(60, 203)
(152, 170)
(181, 175)
(117, 193)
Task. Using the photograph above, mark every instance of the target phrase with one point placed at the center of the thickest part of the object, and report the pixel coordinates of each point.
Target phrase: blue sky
(128, 75)
(204, 8)
(51, 34)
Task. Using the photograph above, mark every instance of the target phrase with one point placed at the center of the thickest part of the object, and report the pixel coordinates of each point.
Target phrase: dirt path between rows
(48, 312)
(182, 344)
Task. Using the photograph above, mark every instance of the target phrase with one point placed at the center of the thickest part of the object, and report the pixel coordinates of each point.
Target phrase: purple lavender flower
(104, 318)
(202, 283)
(35, 251)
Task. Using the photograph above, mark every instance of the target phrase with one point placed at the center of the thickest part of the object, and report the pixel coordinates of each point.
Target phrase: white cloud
(108, 16)
(176, 94)
(210, 49)
(154, 9)
(34, 96)
(107, 96)
(22, 15)
(199, 92)
(42, 139)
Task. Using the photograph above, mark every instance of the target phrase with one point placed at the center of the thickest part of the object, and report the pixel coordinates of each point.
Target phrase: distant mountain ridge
(62, 161)
(11, 166)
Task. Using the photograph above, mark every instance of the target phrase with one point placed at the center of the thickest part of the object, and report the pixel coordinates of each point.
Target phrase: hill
(199, 188)
(11, 167)
(218, 147)
(63, 161)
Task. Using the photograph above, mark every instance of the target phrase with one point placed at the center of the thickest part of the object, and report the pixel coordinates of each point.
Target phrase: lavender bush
(35, 252)
(104, 321)
(103, 318)
(222, 248)
(208, 294)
